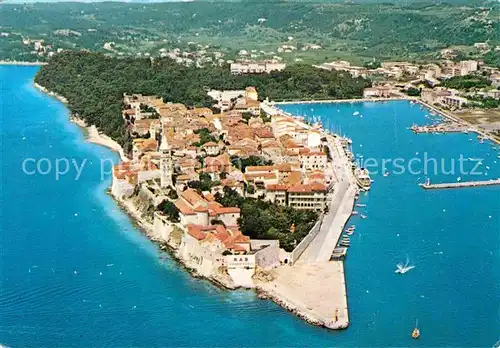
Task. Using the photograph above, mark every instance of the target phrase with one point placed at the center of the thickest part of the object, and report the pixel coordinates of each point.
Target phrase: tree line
(94, 85)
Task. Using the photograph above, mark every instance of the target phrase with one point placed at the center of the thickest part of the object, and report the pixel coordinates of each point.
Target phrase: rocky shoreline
(134, 212)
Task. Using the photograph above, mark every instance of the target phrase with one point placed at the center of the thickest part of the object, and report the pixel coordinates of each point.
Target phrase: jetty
(429, 186)
(447, 127)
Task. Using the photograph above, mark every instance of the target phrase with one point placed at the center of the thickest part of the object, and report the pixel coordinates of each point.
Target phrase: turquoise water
(74, 271)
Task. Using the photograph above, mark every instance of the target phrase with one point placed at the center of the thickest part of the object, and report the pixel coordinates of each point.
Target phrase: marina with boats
(357, 236)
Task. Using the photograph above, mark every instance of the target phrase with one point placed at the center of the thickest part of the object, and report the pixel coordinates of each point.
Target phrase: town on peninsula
(249, 196)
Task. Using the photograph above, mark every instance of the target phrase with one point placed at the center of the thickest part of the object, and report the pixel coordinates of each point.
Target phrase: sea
(76, 271)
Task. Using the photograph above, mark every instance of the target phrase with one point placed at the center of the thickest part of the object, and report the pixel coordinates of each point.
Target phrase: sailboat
(416, 332)
(402, 269)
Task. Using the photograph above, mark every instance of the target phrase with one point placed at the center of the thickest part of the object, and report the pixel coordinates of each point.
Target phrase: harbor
(300, 288)
(369, 272)
(376, 294)
(337, 101)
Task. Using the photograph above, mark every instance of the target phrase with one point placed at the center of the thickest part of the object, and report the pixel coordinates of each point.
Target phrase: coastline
(93, 134)
(451, 117)
(336, 101)
(128, 206)
(287, 295)
(443, 113)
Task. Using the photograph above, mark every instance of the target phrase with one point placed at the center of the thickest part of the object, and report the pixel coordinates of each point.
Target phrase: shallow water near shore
(74, 271)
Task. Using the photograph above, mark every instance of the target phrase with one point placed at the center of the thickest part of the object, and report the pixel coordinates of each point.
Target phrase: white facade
(204, 257)
(267, 253)
(313, 161)
(121, 188)
(198, 218)
(161, 226)
(241, 268)
(256, 67)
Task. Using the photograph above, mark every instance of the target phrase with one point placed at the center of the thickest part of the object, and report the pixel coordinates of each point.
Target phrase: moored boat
(362, 178)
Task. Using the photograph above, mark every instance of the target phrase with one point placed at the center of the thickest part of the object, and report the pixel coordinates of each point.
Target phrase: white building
(468, 66)
(256, 67)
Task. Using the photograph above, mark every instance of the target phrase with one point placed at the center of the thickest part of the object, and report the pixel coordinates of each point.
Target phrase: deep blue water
(74, 271)
(451, 236)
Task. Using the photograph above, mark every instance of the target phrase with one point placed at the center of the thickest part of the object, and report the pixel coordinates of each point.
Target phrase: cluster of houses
(399, 76)
(398, 70)
(175, 146)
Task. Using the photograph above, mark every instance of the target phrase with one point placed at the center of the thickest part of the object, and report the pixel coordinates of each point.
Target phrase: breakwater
(429, 186)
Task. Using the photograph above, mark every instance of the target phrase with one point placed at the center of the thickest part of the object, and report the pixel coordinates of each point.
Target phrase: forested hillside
(395, 29)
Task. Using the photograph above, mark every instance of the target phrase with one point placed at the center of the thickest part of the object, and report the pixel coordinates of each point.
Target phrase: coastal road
(342, 202)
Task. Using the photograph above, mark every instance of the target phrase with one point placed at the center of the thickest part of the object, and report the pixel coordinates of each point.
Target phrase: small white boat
(386, 174)
(355, 113)
(360, 205)
(363, 216)
(402, 269)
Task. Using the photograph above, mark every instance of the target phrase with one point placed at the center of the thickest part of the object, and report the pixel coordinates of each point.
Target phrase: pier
(312, 285)
(442, 128)
(429, 186)
(333, 101)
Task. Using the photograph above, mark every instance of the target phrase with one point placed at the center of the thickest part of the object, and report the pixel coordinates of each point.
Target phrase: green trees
(413, 92)
(381, 29)
(205, 137)
(466, 82)
(264, 220)
(492, 58)
(241, 163)
(169, 209)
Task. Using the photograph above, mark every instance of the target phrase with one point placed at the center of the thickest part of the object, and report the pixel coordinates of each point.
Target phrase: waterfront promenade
(342, 202)
(330, 101)
(314, 287)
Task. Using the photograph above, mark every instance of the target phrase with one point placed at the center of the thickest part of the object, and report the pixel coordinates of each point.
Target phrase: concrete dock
(313, 287)
(314, 291)
(464, 184)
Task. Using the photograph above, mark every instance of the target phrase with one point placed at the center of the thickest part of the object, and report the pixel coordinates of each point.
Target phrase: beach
(93, 134)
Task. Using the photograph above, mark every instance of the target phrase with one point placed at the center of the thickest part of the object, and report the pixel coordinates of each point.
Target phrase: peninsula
(241, 193)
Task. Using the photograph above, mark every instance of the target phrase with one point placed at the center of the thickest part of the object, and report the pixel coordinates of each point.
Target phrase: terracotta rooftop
(307, 188)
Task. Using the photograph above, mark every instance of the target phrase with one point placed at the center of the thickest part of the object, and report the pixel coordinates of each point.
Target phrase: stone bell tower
(166, 166)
